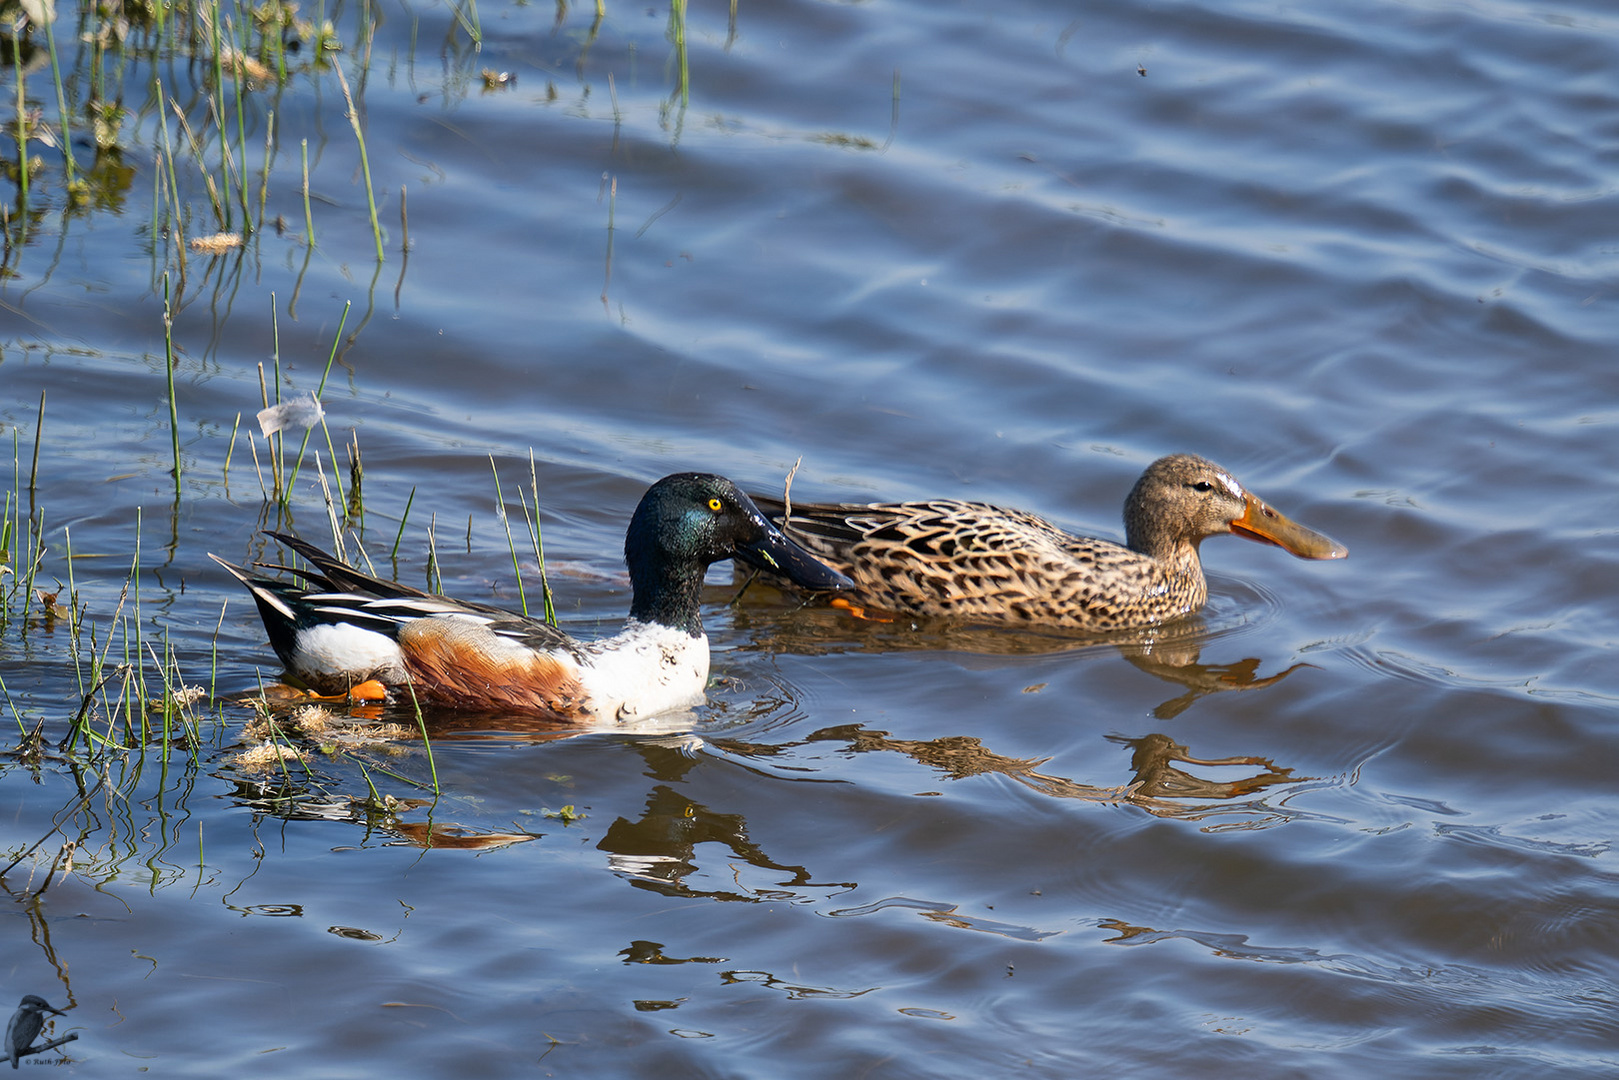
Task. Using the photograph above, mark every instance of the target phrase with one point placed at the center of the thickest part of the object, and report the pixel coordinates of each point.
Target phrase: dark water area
(1354, 818)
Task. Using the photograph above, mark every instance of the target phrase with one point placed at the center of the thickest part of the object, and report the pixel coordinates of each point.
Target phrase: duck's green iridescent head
(687, 521)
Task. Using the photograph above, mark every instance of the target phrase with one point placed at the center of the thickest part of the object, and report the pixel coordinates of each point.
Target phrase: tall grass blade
(337, 340)
(427, 744)
(168, 367)
(49, 29)
(39, 426)
(400, 535)
(365, 161)
(511, 544)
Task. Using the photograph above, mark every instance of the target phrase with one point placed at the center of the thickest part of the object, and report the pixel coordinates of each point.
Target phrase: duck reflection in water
(658, 851)
(1172, 653)
(1158, 780)
(1154, 760)
(1179, 661)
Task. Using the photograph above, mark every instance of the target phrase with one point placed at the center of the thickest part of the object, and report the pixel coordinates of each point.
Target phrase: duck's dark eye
(715, 505)
(1202, 485)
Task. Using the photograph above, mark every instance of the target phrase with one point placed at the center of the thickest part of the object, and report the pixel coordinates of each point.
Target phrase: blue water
(1362, 256)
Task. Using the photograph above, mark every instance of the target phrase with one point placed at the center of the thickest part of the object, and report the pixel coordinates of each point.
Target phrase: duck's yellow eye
(715, 505)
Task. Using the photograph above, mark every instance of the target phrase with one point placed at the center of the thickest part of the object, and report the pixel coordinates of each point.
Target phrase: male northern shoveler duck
(340, 627)
(975, 561)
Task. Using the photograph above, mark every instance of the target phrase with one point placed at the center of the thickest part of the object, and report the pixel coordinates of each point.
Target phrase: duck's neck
(667, 593)
(1177, 556)
(1153, 542)
(1182, 572)
(1181, 560)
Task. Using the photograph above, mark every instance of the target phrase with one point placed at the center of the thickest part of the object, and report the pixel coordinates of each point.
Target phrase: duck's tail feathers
(335, 575)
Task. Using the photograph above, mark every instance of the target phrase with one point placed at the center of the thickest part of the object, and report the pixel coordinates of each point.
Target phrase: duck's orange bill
(1260, 522)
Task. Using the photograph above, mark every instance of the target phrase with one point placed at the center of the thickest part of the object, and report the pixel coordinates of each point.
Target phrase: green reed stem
(21, 730)
(400, 535)
(331, 512)
(165, 703)
(135, 579)
(61, 101)
(472, 25)
(22, 147)
(230, 448)
(174, 707)
(532, 525)
(539, 545)
(39, 426)
(11, 522)
(216, 30)
(336, 476)
(156, 227)
(168, 364)
(213, 653)
(365, 161)
(309, 220)
(275, 445)
(505, 519)
(376, 796)
(221, 210)
(36, 556)
(241, 127)
(176, 226)
(677, 27)
(433, 571)
(269, 155)
(331, 359)
(427, 744)
(73, 606)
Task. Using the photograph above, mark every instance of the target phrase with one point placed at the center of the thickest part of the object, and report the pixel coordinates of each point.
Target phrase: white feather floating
(298, 414)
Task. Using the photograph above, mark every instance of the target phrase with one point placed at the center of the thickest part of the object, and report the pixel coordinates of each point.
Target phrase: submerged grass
(133, 707)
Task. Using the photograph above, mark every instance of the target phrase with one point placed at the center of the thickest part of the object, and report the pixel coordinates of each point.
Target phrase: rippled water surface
(1355, 819)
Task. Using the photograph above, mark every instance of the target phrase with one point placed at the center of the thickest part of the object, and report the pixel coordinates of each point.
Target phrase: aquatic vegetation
(136, 703)
(200, 139)
(213, 143)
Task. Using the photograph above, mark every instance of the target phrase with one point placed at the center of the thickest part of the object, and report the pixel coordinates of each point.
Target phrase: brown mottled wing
(973, 560)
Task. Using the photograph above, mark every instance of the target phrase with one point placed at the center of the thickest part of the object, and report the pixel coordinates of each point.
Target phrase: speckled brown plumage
(975, 561)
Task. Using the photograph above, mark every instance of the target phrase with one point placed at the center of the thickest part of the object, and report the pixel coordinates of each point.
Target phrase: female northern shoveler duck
(972, 560)
(340, 627)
